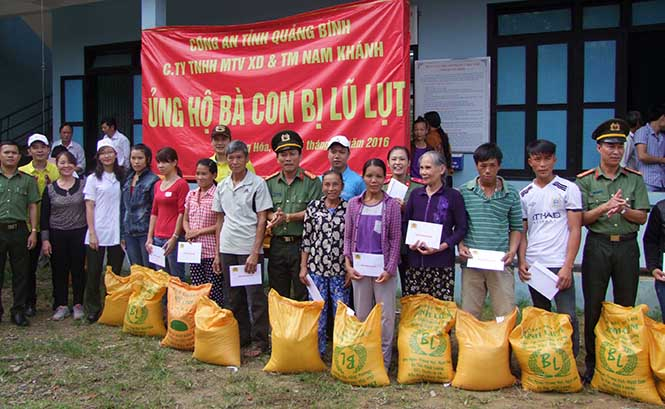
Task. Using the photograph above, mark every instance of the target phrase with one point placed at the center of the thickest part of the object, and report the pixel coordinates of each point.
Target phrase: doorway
(646, 60)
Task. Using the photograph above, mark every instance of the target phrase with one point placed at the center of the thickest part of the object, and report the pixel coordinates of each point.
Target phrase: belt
(289, 239)
(10, 226)
(615, 238)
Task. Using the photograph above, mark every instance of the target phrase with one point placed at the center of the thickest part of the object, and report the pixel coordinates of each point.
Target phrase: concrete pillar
(153, 13)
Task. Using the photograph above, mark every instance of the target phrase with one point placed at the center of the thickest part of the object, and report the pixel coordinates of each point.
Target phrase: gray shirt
(240, 205)
(62, 209)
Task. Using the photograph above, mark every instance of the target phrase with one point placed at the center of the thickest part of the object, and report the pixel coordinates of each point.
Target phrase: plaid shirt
(200, 215)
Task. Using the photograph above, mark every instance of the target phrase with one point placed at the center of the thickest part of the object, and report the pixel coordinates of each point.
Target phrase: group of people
(317, 224)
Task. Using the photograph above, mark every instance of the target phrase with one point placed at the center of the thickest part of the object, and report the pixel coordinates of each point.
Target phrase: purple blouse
(369, 229)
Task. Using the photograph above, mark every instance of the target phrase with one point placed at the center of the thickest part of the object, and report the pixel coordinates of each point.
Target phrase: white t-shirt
(240, 205)
(546, 211)
(106, 195)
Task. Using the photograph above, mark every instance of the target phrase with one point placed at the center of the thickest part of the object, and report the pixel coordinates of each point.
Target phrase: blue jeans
(565, 304)
(332, 290)
(172, 266)
(660, 293)
(135, 248)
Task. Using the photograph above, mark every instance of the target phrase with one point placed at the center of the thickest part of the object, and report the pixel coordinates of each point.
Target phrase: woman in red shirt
(168, 208)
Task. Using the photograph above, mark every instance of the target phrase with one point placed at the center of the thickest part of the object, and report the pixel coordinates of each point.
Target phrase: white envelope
(397, 189)
(543, 280)
(429, 233)
(189, 252)
(486, 260)
(370, 265)
(239, 278)
(157, 256)
(314, 292)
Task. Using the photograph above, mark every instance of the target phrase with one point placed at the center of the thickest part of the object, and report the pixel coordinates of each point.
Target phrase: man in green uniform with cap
(615, 204)
(18, 196)
(291, 189)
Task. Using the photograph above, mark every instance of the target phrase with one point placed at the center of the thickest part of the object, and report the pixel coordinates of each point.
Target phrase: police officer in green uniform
(615, 204)
(18, 196)
(291, 189)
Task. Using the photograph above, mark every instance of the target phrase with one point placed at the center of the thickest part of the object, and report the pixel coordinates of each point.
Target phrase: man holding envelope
(493, 236)
(552, 214)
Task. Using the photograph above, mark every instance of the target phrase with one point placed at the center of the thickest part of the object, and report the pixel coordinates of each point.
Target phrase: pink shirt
(200, 216)
(167, 206)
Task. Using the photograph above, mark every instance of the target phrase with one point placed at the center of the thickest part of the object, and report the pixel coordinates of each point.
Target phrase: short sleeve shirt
(292, 198)
(240, 205)
(16, 193)
(546, 212)
(653, 173)
(43, 177)
(354, 185)
(198, 206)
(105, 192)
(597, 189)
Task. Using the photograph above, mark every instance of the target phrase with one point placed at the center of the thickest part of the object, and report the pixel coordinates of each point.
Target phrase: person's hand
(615, 204)
(123, 245)
(383, 277)
(508, 258)
(169, 246)
(148, 245)
(415, 246)
(303, 276)
(278, 218)
(217, 265)
(426, 251)
(250, 263)
(46, 248)
(93, 242)
(191, 234)
(565, 278)
(524, 271)
(658, 274)
(351, 274)
(464, 251)
(32, 240)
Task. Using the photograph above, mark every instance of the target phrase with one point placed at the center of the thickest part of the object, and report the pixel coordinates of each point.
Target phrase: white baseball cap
(340, 139)
(37, 137)
(104, 142)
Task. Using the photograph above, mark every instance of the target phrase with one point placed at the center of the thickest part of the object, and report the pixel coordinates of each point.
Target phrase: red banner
(342, 70)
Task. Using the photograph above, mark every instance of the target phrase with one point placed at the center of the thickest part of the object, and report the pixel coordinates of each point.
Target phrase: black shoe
(30, 311)
(92, 318)
(19, 319)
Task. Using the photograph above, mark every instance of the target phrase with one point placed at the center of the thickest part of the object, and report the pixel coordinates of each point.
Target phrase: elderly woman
(432, 270)
(322, 248)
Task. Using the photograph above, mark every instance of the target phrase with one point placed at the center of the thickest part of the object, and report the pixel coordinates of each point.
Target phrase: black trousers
(284, 269)
(32, 274)
(92, 300)
(604, 260)
(68, 256)
(15, 243)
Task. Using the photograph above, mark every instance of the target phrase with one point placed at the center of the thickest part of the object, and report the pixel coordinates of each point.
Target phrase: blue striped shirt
(653, 173)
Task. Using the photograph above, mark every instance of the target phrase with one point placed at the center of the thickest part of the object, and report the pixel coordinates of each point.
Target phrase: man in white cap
(44, 173)
(339, 150)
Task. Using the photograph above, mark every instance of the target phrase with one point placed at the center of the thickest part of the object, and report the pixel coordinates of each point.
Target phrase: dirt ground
(73, 365)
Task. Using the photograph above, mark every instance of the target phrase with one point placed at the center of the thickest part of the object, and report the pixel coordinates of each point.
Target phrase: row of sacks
(194, 321)
(630, 347)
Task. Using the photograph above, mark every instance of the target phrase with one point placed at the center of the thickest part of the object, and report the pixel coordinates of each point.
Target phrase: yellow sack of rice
(118, 290)
(144, 314)
(483, 363)
(294, 336)
(357, 358)
(622, 353)
(657, 353)
(216, 334)
(423, 341)
(544, 349)
(182, 299)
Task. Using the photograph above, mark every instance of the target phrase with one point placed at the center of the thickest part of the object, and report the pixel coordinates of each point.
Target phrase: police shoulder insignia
(586, 173)
(633, 171)
(271, 176)
(309, 174)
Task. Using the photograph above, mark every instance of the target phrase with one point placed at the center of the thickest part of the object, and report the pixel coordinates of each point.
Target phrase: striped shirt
(490, 220)
(653, 173)
(200, 215)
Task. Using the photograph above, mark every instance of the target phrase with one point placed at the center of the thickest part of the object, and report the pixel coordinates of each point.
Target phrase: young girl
(102, 203)
(322, 248)
(373, 225)
(168, 208)
(137, 193)
(199, 224)
(432, 270)
(63, 227)
(419, 144)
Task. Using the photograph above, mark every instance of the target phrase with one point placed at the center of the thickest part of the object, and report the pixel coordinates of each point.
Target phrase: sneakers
(78, 312)
(61, 313)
